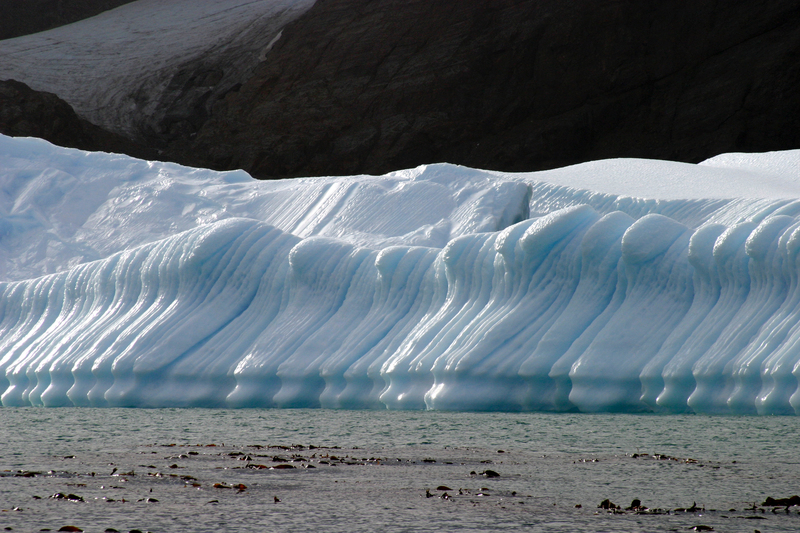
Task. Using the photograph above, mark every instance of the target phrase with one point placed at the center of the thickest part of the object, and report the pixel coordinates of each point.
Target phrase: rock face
(28, 113)
(374, 85)
(31, 16)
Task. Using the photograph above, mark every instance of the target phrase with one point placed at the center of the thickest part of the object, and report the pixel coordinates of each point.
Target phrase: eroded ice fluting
(438, 287)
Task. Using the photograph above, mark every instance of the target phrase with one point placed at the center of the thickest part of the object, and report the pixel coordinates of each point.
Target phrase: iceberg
(612, 286)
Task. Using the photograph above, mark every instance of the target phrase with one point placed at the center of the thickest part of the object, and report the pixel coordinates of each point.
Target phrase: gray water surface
(371, 470)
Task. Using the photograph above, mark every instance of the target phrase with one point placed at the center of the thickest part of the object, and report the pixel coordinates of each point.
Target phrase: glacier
(621, 285)
(135, 68)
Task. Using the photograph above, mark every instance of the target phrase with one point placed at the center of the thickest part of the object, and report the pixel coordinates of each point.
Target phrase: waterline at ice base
(621, 285)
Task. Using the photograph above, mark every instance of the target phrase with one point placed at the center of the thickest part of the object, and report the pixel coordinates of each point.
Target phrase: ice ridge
(597, 303)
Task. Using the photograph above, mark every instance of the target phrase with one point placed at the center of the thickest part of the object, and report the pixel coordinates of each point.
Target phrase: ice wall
(439, 287)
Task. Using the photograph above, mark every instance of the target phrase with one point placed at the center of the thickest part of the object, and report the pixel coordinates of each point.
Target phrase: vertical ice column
(88, 294)
(779, 372)
(152, 287)
(546, 373)
(402, 286)
(706, 293)
(463, 283)
(479, 370)
(713, 372)
(301, 377)
(104, 329)
(319, 276)
(659, 293)
(781, 274)
(731, 265)
(32, 307)
(205, 377)
(181, 360)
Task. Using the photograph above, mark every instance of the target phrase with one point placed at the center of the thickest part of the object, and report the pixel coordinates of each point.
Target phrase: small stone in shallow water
(608, 505)
(781, 502)
(636, 505)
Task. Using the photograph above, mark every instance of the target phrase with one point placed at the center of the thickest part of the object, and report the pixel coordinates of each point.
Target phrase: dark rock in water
(636, 505)
(781, 502)
(490, 473)
(607, 504)
(443, 487)
(691, 509)
(28, 113)
(70, 497)
(70, 528)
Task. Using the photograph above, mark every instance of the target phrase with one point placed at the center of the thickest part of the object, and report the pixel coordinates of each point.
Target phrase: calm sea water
(174, 469)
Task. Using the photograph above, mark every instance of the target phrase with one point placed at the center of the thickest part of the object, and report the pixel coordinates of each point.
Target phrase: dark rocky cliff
(28, 113)
(373, 85)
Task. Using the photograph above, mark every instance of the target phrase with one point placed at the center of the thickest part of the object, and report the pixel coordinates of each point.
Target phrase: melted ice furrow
(438, 287)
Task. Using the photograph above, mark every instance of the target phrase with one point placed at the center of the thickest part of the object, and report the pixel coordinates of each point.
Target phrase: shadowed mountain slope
(28, 113)
(31, 16)
(374, 85)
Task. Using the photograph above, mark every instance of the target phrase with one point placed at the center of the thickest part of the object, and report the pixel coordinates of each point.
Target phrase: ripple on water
(549, 464)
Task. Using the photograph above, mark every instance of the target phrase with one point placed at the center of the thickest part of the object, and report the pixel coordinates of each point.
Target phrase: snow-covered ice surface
(118, 67)
(619, 285)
